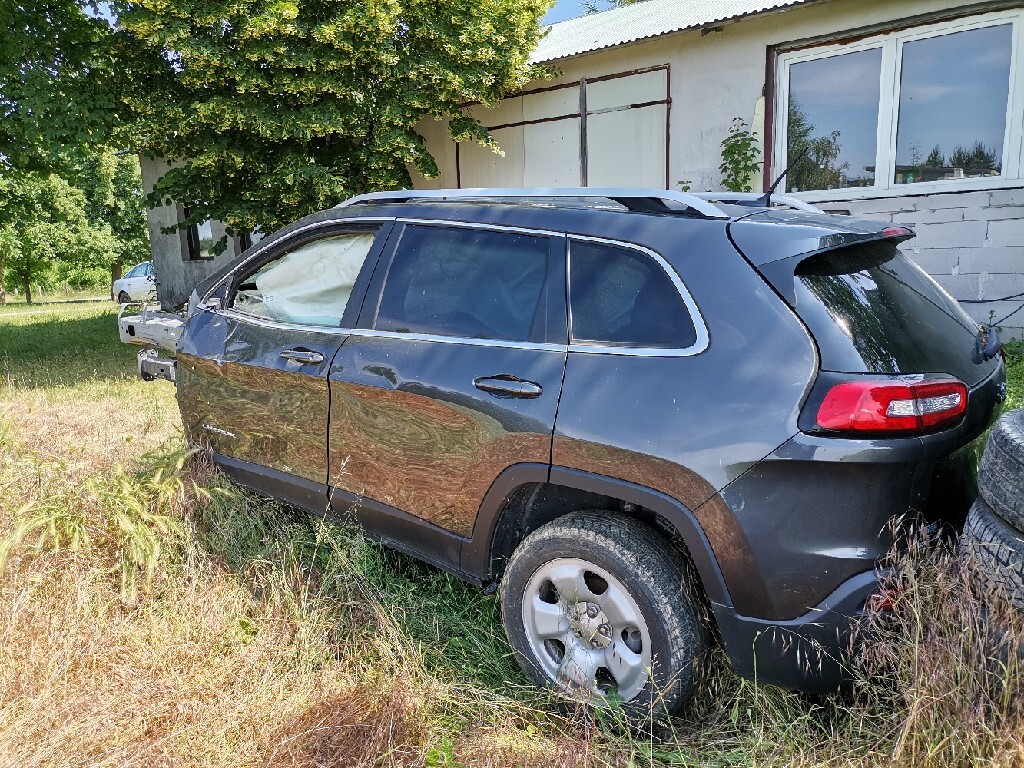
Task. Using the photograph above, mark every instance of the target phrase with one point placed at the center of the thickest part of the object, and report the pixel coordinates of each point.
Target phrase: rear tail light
(893, 406)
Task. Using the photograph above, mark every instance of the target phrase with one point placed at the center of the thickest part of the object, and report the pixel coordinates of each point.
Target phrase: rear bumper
(809, 653)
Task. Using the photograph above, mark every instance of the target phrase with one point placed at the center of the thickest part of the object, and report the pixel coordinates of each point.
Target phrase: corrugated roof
(642, 20)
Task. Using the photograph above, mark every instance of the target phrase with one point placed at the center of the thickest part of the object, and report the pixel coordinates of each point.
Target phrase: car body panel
(411, 430)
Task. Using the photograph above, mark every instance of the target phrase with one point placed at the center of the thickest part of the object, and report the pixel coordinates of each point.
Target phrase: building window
(198, 240)
(931, 108)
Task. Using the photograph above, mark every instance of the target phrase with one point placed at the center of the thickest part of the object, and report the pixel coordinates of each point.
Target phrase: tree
(817, 169)
(274, 109)
(978, 160)
(60, 84)
(935, 158)
(46, 224)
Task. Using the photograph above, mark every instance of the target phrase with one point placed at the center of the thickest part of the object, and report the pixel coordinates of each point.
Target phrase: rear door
(452, 376)
(252, 377)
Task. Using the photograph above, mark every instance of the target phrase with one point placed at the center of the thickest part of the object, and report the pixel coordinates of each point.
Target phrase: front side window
(922, 106)
(620, 297)
(468, 283)
(309, 285)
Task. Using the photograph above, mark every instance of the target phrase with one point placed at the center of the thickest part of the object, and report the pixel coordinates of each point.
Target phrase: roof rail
(648, 200)
(755, 198)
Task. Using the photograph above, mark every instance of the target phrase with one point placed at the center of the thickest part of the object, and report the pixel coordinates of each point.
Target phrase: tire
(1001, 470)
(597, 606)
(996, 553)
(123, 297)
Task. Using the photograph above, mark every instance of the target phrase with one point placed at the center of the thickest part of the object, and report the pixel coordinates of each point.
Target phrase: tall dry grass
(248, 634)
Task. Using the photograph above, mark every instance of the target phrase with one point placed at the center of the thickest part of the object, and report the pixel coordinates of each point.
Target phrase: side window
(148, 270)
(309, 285)
(470, 283)
(135, 271)
(620, 297)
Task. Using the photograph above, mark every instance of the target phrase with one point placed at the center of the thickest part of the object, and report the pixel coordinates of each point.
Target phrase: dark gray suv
(653, 420)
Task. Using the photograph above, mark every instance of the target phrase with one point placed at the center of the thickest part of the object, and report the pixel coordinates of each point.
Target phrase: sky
(564, 9)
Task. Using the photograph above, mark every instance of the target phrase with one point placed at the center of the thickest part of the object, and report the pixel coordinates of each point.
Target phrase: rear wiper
(986, 344)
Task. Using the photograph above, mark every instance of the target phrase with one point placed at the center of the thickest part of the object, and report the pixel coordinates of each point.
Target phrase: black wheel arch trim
(476, 553)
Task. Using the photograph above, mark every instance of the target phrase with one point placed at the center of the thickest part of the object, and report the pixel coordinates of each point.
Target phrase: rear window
(871, 309)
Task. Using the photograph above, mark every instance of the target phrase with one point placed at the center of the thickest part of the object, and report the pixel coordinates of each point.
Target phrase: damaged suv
(653, 421)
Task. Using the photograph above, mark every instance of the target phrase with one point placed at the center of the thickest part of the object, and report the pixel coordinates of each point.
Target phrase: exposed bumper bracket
(152, 367)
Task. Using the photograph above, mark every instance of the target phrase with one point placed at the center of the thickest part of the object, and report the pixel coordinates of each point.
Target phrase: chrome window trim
(273, 243)
(482, 225)
(372, 333)
(701, 343)
(702, 336)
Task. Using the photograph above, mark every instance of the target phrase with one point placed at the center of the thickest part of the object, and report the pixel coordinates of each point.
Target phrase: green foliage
(818, 169)
(60, 83)
(131, 515)
(975, 160)
(741, 157)
(273, 110)
(69, 233)
(935, 158)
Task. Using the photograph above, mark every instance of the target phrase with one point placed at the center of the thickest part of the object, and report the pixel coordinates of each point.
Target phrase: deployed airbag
(310, 285)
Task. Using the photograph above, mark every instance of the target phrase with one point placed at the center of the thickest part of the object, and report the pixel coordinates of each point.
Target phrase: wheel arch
(526, 496)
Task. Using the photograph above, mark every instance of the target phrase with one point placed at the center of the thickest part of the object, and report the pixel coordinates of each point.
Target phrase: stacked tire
(993, 535)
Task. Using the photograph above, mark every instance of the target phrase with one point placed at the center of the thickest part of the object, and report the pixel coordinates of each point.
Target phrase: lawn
(153, 614)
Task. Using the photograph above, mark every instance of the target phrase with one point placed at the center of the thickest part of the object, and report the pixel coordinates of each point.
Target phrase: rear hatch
(868, 306)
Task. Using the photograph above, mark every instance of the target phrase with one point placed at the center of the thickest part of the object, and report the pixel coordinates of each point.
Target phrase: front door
(452, 376)
(253, 375)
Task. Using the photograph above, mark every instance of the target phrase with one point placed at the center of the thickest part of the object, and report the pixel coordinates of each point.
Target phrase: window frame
(381, 229)
(702, 338)
(550, 300)
(891, 45)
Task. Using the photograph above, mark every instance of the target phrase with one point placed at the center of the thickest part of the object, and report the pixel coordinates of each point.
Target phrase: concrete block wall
(972, 243)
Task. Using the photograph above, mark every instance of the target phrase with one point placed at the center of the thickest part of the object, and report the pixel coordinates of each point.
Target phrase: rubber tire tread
(658, 580)
(1001, 470)
(996, 552)
(123, 298)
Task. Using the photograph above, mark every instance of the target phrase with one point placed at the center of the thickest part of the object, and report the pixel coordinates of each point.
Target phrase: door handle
(303, 356)
(506, 385)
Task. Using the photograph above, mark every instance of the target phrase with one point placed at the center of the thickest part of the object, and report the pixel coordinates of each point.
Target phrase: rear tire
(123, 297)
(996, 553)
(1001, 470)
(598, 606)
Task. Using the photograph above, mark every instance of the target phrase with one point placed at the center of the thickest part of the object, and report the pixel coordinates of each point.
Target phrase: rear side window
(469, 283)
(309, 285)
(871, 309)
(620, 297)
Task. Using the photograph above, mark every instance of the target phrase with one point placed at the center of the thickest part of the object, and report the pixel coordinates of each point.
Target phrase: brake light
(893, 406)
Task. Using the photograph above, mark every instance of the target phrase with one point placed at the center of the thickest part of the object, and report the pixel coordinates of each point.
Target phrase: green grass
(153, 613)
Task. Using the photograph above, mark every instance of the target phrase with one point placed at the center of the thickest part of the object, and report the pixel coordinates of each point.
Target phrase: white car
(138, 285)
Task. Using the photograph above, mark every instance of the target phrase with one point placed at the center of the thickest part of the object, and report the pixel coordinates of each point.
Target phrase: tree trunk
(115, 275)
(28, 290)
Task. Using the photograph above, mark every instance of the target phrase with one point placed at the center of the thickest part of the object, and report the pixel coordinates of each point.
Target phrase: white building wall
(973, 242)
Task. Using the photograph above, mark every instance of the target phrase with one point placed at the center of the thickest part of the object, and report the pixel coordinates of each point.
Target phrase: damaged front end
(155, 330)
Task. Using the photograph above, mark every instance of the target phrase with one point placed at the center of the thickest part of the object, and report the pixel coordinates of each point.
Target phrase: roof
(642, 20)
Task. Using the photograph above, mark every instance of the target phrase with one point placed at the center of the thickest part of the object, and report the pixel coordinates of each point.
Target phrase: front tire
(123, 297)
(598, 606)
